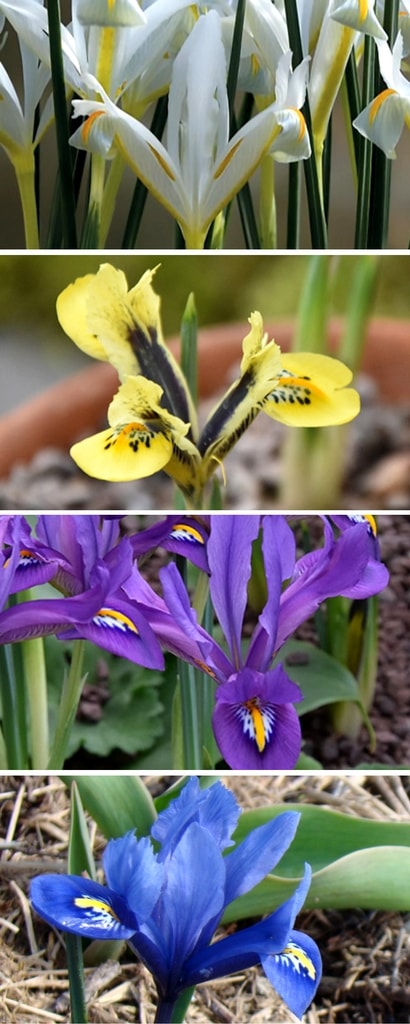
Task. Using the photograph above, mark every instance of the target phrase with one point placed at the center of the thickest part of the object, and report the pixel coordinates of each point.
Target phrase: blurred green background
(34, 350)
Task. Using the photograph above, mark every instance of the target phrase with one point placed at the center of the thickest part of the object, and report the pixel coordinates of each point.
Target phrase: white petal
(382, 121)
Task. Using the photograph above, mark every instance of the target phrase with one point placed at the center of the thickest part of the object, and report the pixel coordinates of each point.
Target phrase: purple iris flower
(181, 535)
(85, 559)
(255, 722)
(168, 902)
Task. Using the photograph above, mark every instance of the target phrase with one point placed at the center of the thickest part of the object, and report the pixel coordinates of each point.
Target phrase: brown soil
(366, 955)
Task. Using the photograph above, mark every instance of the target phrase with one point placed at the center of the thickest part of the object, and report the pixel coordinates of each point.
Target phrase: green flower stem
(62, 129)
(361, 651)
(3, 754)
(34, 669)
(13, 706)
(76, 978)
(232, 76)
(112, 184)
(363, 289)
(318, 228)
(293, 216)
(352, 105)
(36, 689)
(382, 166)
(189, 726)
(70, 697)
(208, 688)
(267, 204)
(24, 166)
(311, 329)
(191, 732)
(92, 229)
(365, 150)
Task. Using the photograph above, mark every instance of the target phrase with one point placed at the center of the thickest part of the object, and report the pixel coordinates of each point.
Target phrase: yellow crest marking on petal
(226, 160)
(299, 958)
(183, 530)
(258, 723)
(89, 123)
(87, 902)
(378, 101)
(162, 162)
(114, 620)
(305, 383)
(360, 517)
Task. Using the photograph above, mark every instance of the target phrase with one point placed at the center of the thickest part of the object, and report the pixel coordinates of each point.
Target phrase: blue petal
(295, 972)
(258, 854)
(247, 947)
(132, 870)
(215, 809)
(82, 906)
(192, 902)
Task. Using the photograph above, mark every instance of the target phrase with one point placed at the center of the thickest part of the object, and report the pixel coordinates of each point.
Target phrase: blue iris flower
(167, 900)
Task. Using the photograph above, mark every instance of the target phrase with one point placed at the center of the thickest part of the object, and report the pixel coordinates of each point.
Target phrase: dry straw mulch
(366, 955)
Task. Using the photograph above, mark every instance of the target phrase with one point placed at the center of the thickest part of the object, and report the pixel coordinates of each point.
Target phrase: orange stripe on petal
(89, 123)
(162, 163)
(378, 101)
(227, 159)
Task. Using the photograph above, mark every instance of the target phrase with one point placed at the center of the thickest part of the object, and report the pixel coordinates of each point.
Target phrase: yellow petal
(72, 314)
(312, 392)
(93, 312)
(123, 453)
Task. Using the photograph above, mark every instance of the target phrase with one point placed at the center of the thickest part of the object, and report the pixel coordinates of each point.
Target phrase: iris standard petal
(82, 906)
(229, 558)
(343, 567)
(278, 546)
(215, 809)
(258, 854)
(255, 723)
(132, 870)
(196, 870)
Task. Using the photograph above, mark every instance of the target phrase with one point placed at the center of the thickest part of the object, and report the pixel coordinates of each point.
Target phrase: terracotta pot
(77, 406)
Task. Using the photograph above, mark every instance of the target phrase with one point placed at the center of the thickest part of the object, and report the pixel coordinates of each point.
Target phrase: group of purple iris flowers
(104, 597)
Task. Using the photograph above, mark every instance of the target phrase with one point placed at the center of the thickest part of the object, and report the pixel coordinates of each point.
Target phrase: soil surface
(366, 954)
(376, 449)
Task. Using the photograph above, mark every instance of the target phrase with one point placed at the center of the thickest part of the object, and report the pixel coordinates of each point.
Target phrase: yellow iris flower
(152, 422)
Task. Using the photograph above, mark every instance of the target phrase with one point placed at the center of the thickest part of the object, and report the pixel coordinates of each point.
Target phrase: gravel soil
(366, 954)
